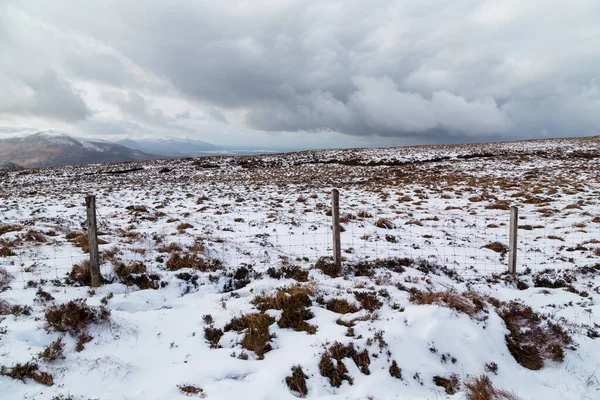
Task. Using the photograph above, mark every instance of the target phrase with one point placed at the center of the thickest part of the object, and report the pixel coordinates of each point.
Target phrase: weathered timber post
(512, 241)
(90, 205)
(335, 215)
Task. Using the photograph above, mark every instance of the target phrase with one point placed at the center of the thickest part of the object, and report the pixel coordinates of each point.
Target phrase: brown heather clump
(75, 317)
(191, 390)
(337, 372)
(482, 388)
(294, 302)
(28, 370)
(532, 338)
(468, 303)
(395, 371)
(54, 351)
(384, 223)
(368, 300)
(256, 327)
(328, 267)
(213, 335)
(297, 381)
(5, 279)
(193, 261)
(450, 384)
(497, 247)
(341, 306)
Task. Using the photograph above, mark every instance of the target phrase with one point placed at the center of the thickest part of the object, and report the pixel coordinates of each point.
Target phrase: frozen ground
(183, 239)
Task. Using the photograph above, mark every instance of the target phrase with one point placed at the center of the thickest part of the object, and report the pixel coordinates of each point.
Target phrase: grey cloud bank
(303, 73)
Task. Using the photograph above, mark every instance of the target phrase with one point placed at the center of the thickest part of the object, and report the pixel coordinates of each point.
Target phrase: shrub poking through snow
(482, 388)
(289, 272)
(469, 303)
(191, 390)
(193, 261)
(75, 317)
(328, 267)
(449, 384)
(384, 223)
(54, 351)
(213, 335)
(297, 381)
(532, 338)
(5, 279)
(334, 370)
(331, 365)
(256, 327)
(80, 274)
(368, 301)
(497, 247)
(395, 370)
(293, 301)
(27, 370)
(341, 306)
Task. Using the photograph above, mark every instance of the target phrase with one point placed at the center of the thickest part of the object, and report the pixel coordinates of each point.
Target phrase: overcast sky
(302, 73)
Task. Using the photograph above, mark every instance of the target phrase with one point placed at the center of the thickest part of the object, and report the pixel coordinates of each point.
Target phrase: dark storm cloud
(462, 69)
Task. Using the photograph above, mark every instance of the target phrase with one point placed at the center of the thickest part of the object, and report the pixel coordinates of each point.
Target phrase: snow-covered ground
(240, 220)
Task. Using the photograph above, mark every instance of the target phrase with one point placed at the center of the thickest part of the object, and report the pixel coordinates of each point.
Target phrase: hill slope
(48, 148)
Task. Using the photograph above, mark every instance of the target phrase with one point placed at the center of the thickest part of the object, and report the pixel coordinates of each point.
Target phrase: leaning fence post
(90, 205)
(512, 241)
(335, 215)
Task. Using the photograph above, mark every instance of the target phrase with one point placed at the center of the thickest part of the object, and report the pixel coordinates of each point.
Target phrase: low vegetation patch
(332, 367)
(450, 384)
(256, 327)
(294, 302)
(192, 260)
(341, 306)
(328, 267)
(368, 300)
(482, 388)
(75, 317)
(468, 303)
(532, 338)
(297, 381)
(54, 351)
(28, 370)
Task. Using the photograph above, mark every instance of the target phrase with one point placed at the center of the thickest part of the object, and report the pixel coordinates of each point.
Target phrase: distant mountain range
(170, 146)
(30, 149)
(51, 148)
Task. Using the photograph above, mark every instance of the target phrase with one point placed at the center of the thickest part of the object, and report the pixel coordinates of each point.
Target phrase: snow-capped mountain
(51, 148)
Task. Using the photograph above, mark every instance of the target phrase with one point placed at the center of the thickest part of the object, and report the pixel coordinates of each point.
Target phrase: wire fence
(296, 229)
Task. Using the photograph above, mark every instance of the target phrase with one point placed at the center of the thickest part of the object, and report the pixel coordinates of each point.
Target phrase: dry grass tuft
(5, 279)
(193, 261)
(341, 306)
(395, 371)
(328, 267)
(75, 317)
(294, 301)
(27, 370)
(468, 303)
(368, 300)
(497, 247)
(191, 390)
(54, 351)
(450, 384)
(482, 388)
(532, 338)
(213, 335)
(384, 223)
(257, 335)
(297, 382)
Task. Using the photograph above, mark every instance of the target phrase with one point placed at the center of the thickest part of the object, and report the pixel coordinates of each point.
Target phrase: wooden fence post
(90, 205)
(512, 241)
(335, 215)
